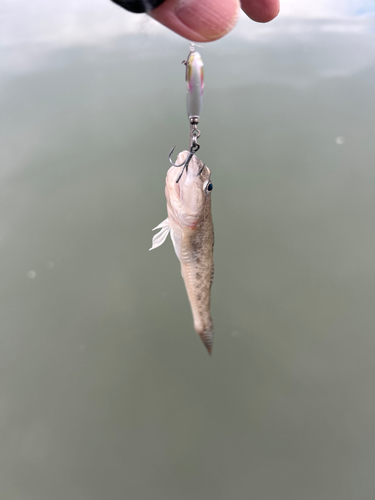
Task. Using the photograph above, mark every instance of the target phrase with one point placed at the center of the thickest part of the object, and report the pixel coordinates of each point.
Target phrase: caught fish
(190, 225)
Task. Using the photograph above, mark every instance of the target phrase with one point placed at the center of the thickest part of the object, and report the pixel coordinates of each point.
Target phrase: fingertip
(261, 11)
(197, 20)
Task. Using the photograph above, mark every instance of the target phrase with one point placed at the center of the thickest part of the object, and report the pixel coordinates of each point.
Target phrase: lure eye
(208, 187)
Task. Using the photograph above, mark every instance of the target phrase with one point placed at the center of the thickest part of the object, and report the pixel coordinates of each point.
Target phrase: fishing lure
(195, 84)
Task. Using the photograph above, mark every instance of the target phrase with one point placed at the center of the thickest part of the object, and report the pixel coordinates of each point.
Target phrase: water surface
(105, 389)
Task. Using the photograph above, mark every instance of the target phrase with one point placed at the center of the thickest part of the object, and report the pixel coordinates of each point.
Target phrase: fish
(190, 226)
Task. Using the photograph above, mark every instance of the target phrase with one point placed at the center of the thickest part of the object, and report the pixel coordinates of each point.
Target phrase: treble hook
(194, 148)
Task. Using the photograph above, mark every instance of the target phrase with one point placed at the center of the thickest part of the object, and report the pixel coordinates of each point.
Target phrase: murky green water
(105, 389)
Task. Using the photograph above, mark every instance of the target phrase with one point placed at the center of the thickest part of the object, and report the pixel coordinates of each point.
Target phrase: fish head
(189, 198)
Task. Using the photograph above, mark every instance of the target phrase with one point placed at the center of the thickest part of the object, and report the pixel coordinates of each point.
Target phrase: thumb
(198, 20)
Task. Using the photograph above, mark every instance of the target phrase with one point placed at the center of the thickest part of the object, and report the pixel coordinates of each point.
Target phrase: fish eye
(208, 186)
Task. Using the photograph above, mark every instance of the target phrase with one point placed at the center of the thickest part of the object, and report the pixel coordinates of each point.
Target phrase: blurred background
(105, 389)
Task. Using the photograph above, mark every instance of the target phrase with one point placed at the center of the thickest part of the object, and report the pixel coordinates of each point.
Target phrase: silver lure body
(195, 85)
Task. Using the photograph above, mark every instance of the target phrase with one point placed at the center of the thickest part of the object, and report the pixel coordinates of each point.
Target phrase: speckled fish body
(190, 225)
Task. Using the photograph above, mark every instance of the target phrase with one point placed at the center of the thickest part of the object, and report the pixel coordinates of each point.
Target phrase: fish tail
(207, 337)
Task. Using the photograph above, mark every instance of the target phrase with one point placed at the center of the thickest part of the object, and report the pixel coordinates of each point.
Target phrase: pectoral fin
(161, 236)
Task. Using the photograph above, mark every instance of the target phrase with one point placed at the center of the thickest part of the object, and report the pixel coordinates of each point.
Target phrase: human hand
(207, 20)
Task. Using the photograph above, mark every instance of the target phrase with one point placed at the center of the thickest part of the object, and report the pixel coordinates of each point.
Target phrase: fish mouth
(186, 173)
